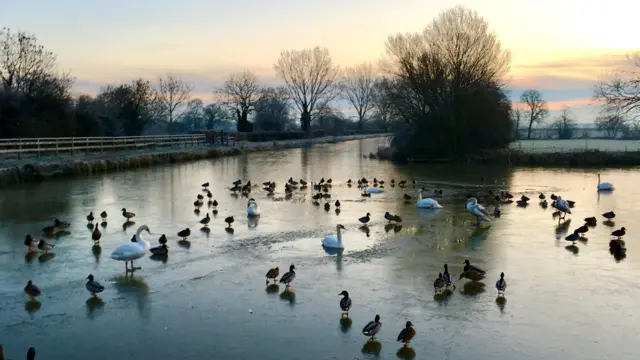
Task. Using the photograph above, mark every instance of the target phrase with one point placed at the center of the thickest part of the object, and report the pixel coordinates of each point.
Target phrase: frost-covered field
(576, 145)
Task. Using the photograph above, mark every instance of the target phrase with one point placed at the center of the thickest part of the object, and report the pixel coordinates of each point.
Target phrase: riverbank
(43, 168)
(511, 157)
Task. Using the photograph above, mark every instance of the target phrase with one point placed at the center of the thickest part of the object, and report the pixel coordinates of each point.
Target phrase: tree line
(441, 91)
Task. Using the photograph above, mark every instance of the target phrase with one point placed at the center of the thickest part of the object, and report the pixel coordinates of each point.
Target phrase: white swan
(427, 203)
(604, 186)
(252, 208)
(562, 205)
(477, 210)
(373, 190)
(130, 251)
(334, 241)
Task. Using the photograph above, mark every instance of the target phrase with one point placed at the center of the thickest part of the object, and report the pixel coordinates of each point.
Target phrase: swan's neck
(419, 195)
(339, 235)
(143, 243)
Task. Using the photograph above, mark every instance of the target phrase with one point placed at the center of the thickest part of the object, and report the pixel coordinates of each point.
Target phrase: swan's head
(344, 293)
(146, 228)
(472, 200)
(340, 227)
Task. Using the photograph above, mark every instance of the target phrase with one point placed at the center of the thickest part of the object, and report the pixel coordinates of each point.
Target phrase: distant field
(541, 146)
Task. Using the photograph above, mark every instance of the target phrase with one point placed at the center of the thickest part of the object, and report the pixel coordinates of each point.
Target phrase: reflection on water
(204, 291)
(345, 323)
(406, 353)
(372, 347)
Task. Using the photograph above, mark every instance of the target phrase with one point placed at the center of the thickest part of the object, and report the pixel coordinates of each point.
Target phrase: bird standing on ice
(130, 251)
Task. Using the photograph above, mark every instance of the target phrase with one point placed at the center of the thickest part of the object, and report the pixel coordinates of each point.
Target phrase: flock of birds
(137, 247)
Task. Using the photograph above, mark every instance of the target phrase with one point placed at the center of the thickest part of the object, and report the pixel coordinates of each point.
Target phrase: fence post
(72, 145)
(87, 150)
(19, 148)
(101, 145)
(57, 151)
(38, 148)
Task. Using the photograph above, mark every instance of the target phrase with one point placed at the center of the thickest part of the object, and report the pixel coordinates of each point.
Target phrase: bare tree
(612, 121)
(273, 109)
(516, 117)
(383, 108)
(622, 90)
(23, 60)
(311, 78)
(565, 124)
(357, 86)
(240, 93)
(172, 94)
(537, 108)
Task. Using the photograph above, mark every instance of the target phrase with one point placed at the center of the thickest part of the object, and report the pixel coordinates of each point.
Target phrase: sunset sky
(560, 47)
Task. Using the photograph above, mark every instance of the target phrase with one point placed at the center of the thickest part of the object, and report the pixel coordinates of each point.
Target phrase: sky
(559, 47)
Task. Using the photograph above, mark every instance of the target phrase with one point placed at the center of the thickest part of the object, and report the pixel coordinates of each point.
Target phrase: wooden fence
(55, 146)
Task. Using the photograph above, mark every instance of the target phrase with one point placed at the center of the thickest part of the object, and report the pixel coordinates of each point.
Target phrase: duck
(327, 207)
(32, 290)
(90, 217)
(345, 303)
(591, 221)
(609, 215)
(582, 229)
(237, 182)
(501, 285)
(96, 234)
(448, 279)
(407, 334)
(397, 218)
(427, 203)
(604, 186)
(200, 197)
(61, 225)
(30, 243)
(130, 251)
(198, 203)
(477, 210)
(573, 237)
(162, 249)
(337, 203)
(205, 220)
(289, 276)
(522, 203)
(329, 181)
(524, 198)
(31, 353)
(541, 196)
(93, 286)
(184, 234)
(471, 275)
(372, 328)
(365, 219)
(252, 208)
(619, 233)
(45, 246)
(439, 283)
(127, 215)
(272, 274)
(229, 220)
(103, 215)
(469, 267)
(334, 241)
(388, 216)
(205, 185)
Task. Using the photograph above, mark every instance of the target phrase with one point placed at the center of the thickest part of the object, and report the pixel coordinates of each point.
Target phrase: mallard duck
(407, 334)
(205, 220)
(214, 203)
(345, 302)
(553, 197)
(591, 221)
(541, 196)
(303, 183)
(501, 285)
(609, 215)
(237, 182)
(90, 217)
(327, 207)
(397, 218)
(162, 239)
(205, 185)
(103, 215)
(573, 237)
(439, 283)
(582, 229)
(469, 267)
(198, 203)
(372, 328)
(402, 183)
(317, 196)
(365, 219)
(127, 215)
(93, 286)
(522, 203)
(337, 203)
(388, 216)
(184, 234)
(289, 276)
(45, 246)
(96, 234)
(272, 274)
(471, 275)
(32, 290)
(200, 197)
(329, 181)
(619, 233)
(448, 279)
(229, 220)
(524, 198)
(31, 353)
(209, 195)
(30, 243)
(163, 249)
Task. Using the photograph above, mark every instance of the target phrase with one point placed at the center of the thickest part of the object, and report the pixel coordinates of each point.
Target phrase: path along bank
(43, 168)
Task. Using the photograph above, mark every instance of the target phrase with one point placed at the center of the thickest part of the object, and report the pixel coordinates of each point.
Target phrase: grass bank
(512, 157)
(43, 168)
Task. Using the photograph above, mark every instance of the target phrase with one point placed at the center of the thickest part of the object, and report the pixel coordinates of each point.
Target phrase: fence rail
(48, 146)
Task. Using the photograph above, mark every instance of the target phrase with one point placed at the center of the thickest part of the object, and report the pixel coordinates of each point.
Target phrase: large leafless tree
(357, 87)
(240, 93)
(621, 91)
(536, 108)
(23, 61)
(311, 77)
(173, 93)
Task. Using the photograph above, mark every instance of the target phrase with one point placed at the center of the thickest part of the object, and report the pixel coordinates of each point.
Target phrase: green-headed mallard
(32, 290)
(45, 246)
(289, 276)
(372, 328)
(345, 302)
(501, 285)
(93, 286)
